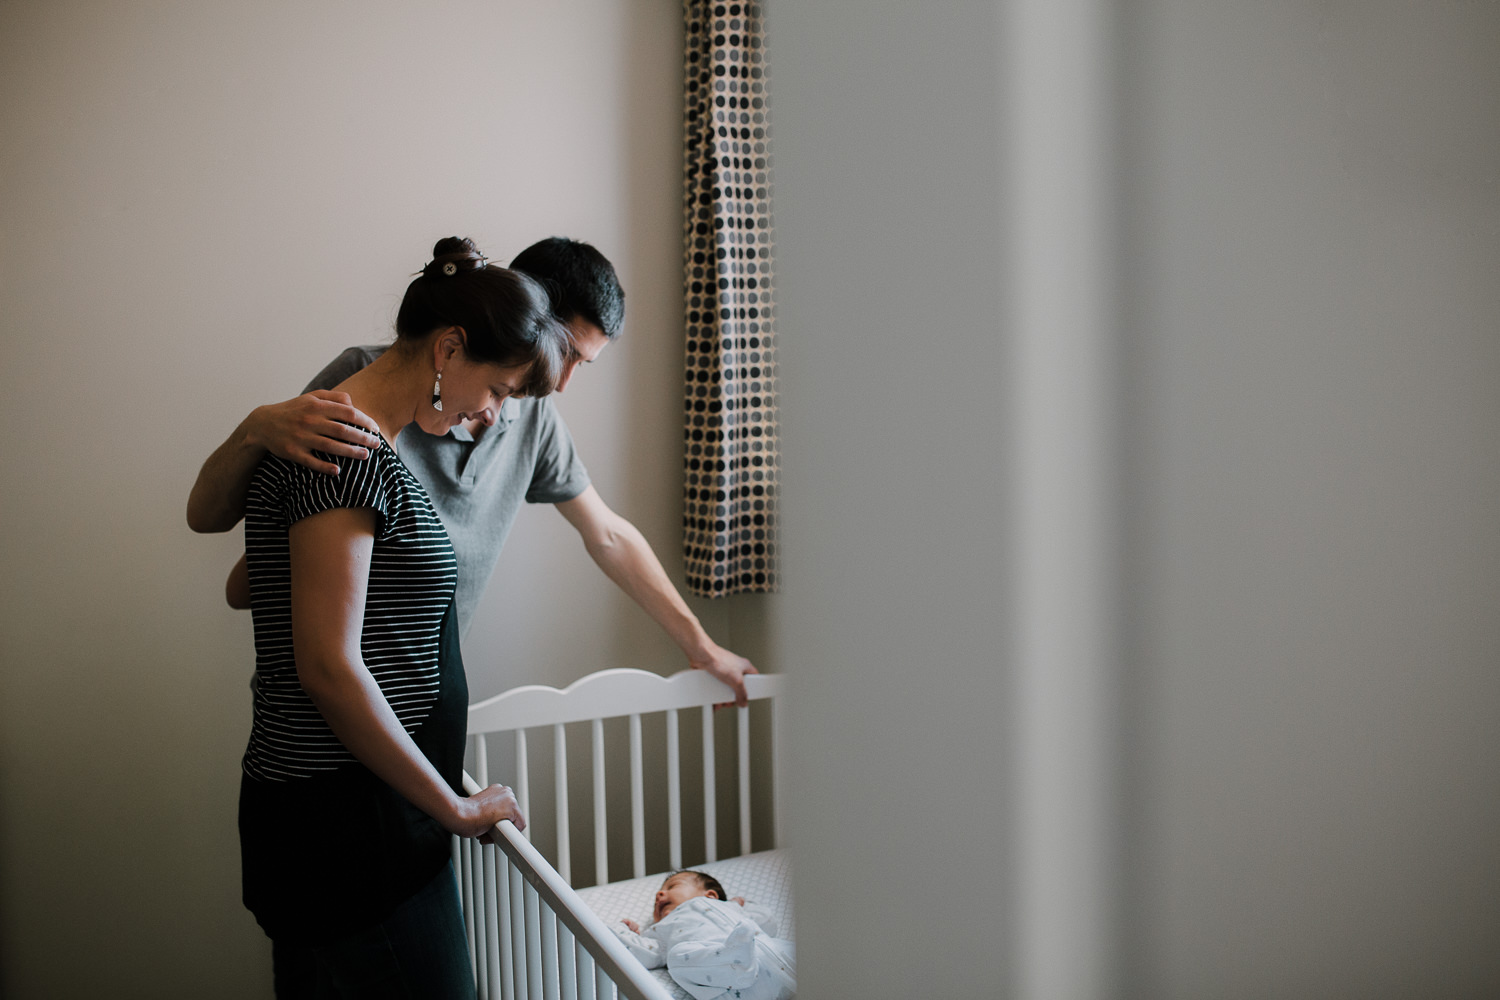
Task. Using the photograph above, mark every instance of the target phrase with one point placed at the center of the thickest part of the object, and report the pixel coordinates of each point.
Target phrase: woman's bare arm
(330, 554)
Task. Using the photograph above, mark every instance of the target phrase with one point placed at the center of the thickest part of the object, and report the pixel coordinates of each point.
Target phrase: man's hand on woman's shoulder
(314, 421)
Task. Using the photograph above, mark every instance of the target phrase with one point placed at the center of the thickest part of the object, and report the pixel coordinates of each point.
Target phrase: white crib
(530, 935)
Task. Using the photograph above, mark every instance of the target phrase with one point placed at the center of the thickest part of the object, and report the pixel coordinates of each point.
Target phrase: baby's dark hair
(505, 314)
(707, 883)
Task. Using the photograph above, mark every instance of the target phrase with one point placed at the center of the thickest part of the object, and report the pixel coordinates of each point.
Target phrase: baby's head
(683, 886)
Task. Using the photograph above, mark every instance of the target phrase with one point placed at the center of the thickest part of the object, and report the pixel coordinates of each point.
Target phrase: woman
(352, 777)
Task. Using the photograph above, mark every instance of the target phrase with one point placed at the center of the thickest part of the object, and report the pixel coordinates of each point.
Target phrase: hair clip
(450, 268)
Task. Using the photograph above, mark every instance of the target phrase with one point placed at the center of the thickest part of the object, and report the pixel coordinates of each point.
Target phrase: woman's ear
(446, 344)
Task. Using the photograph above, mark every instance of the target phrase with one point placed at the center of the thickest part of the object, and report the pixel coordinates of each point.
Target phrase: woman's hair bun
(452, 255)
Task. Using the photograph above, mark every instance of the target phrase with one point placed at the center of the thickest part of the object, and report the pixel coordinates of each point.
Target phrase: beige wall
(1314, 370)
(202, 204)
(1300, 748)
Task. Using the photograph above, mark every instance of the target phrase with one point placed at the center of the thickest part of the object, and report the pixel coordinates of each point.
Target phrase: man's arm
(622, 552)
(314, 421)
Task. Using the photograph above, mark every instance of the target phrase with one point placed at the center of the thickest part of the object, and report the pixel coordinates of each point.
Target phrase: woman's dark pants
(419, 951)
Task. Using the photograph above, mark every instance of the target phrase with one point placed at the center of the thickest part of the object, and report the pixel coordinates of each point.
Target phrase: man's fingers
(316, 464)
(347, 412)
(344, 450)
(345, 432)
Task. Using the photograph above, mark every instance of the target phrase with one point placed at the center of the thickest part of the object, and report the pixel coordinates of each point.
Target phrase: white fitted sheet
(763, 878)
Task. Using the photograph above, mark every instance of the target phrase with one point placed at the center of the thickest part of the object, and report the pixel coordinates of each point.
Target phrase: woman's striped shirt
(413, 573)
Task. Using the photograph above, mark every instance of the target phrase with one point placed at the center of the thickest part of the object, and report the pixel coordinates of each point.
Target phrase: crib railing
(531, 937)
(529, 934)
(627, 693)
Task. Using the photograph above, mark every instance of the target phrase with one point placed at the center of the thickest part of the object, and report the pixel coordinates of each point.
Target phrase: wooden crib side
(627, 693)
(530, 936)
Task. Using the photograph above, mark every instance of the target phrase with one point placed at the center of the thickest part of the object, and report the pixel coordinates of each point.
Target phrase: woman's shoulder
(376, 481)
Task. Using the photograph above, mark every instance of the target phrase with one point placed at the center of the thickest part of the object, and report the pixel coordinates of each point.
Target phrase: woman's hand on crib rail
(479, 813)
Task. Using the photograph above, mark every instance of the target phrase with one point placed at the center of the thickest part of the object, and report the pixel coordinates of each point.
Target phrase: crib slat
(489, 960)
(778, 771)
(533, 944)
(602, 984)
(674, 792)
(507, 987)
(481, 759)
(476, 864)
(637, 800)
(457, 845)
(549, 953)
(601, 838)
(566, 963)
(743, 725)
(466, 884)
(710, 806)
(585, 973)
(523, 780)
(560, 780)
(518, 932)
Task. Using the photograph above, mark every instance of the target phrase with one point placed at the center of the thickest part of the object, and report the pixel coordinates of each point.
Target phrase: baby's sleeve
(763, 917)
(647, 950)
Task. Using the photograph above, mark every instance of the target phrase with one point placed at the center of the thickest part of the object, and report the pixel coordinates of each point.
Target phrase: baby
(715, 947)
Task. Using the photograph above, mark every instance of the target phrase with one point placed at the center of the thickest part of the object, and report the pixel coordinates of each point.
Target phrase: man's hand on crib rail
(728, 667)
(481, 811)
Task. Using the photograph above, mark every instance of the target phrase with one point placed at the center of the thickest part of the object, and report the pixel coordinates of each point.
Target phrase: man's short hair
(580, 280)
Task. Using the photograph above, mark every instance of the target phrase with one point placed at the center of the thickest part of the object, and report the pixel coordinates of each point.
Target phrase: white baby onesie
(717, 950)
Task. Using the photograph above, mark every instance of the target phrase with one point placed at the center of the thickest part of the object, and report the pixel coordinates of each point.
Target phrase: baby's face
(675, 891)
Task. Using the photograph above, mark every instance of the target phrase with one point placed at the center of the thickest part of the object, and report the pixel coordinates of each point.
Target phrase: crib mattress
(763, 877)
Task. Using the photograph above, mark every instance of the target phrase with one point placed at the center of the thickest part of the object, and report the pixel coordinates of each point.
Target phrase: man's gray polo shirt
(478, 486)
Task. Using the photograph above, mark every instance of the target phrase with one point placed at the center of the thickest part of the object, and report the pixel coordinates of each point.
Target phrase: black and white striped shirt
(413, 572)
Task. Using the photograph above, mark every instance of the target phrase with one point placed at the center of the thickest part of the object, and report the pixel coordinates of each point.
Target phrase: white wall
(1307, 208)
(202, 204)
(896, 485)
(1313, 203)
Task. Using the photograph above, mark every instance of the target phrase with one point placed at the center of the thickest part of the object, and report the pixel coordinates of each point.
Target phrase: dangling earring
(437, 393)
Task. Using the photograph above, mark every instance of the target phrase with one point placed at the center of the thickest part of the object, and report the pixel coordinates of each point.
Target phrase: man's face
(587, 341)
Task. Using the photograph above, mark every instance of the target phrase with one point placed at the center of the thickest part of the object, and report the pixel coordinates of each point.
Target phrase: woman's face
(471, 391)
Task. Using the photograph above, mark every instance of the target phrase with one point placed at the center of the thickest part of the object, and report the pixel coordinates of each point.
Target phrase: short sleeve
(558, 473)
(359, 484)
(340, 368)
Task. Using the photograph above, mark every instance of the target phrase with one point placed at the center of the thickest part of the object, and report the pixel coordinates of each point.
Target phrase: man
(480, 472)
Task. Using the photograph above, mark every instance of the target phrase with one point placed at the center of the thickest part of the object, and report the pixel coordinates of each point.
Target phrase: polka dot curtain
(731, 454)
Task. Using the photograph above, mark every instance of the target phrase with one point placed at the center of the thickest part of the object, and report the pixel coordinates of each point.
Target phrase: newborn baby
(714, 947)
